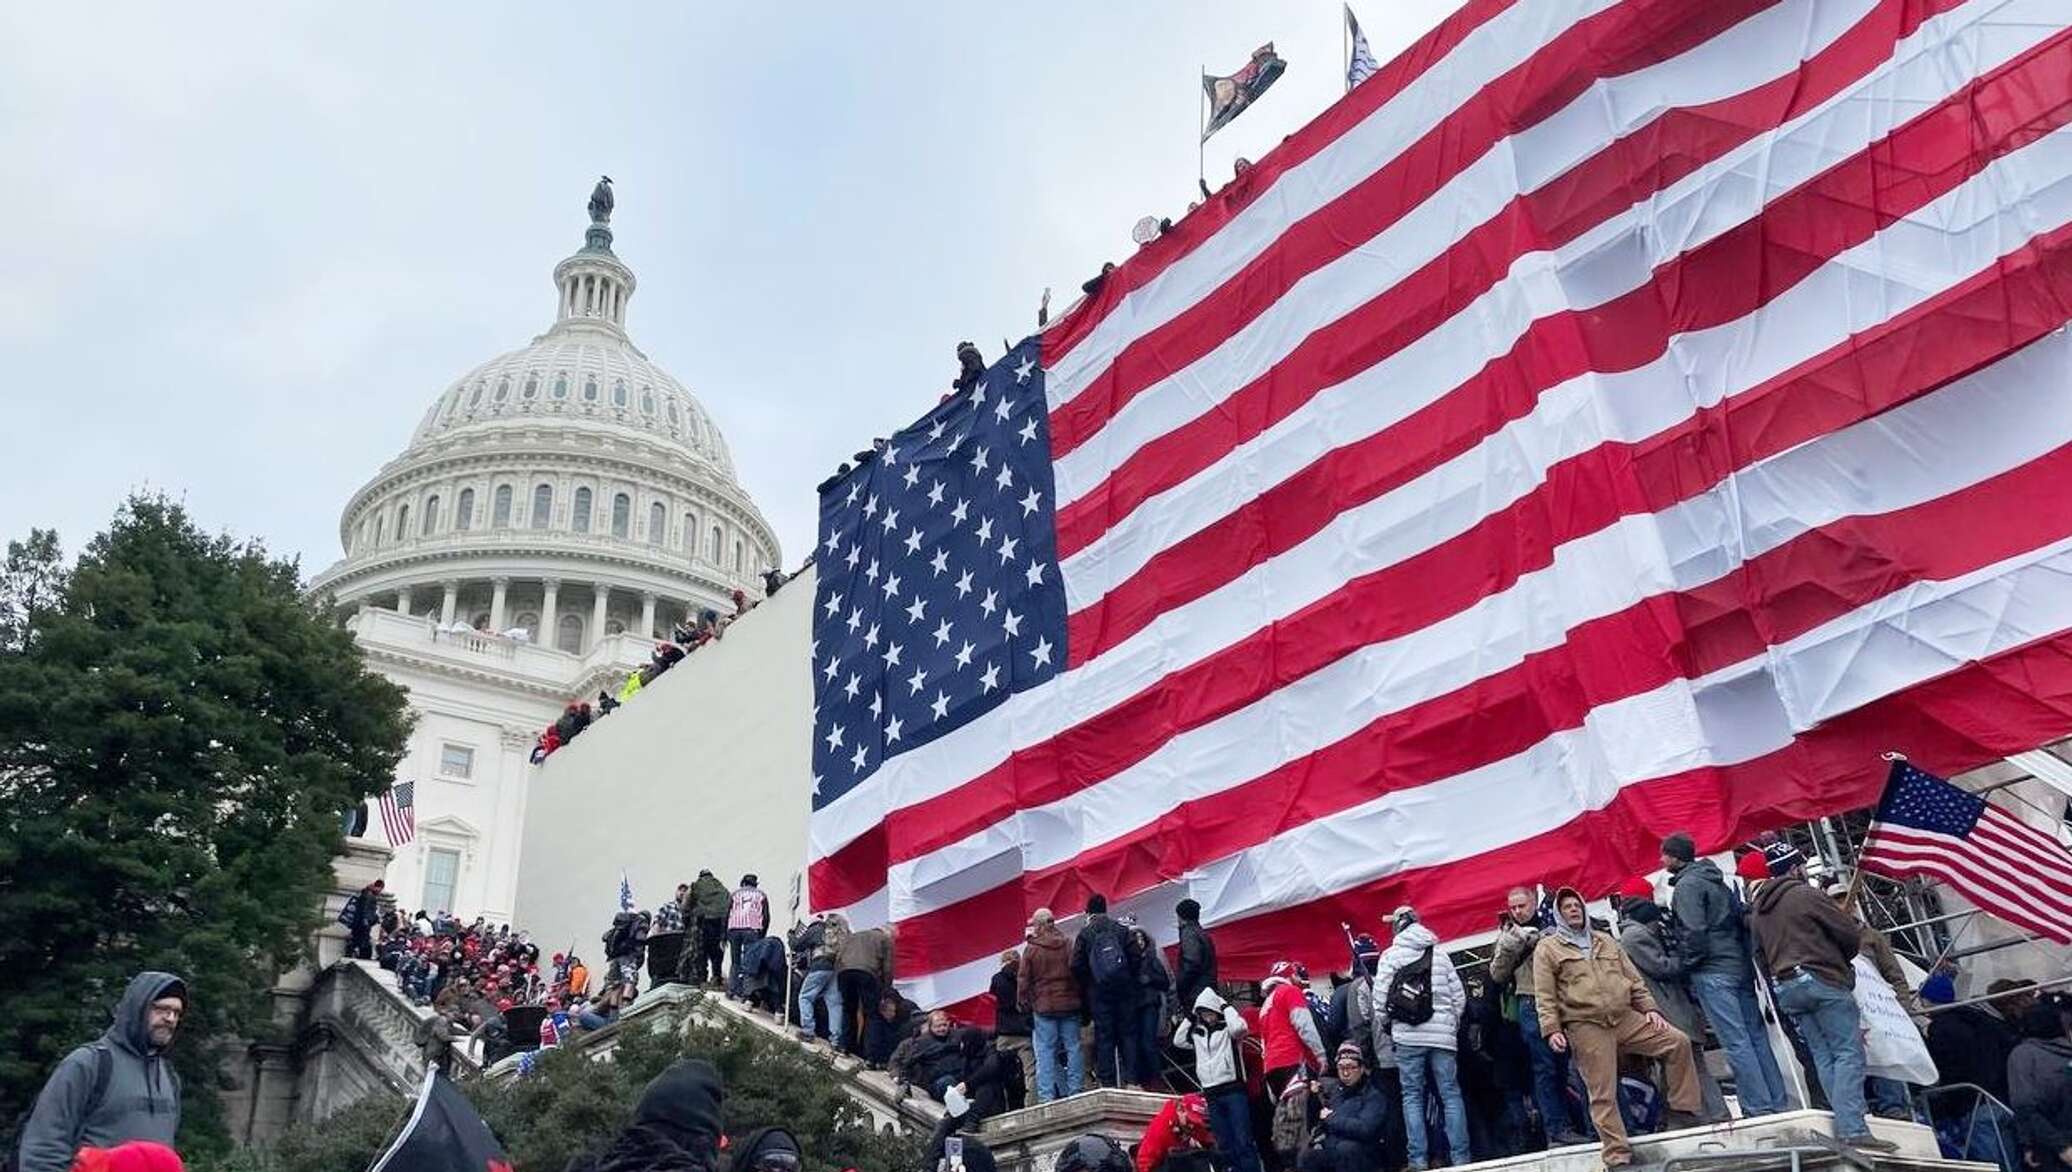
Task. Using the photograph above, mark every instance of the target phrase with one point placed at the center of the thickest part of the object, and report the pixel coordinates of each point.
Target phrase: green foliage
(179, 732)
(571, 1105)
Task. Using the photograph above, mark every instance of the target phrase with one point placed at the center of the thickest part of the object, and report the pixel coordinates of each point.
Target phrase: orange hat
(136, 1156)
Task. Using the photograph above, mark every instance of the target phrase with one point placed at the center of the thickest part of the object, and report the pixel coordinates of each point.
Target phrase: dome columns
(403, 600)
(647, 615)
(451, 603)
(500, 592)
(550, 611)
(601, 600)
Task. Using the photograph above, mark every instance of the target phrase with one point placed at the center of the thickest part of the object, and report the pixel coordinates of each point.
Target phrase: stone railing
(361, 1036)
(479, 642)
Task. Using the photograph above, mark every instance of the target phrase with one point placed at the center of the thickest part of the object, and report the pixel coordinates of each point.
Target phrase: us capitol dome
(558, 509)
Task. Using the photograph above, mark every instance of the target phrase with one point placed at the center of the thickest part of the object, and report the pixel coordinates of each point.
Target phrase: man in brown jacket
(1050, 991)
(1594, 1006)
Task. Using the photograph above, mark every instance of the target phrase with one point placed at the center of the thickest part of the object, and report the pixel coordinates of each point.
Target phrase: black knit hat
(683, 1102)
(1188, 910)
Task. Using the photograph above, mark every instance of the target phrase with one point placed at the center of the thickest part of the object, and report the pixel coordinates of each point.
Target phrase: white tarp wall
(708, 767)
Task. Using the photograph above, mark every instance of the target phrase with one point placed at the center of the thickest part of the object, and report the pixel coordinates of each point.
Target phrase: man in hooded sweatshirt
(117, 1088)
(676, 1127)
(1717, 967)
(1595, 1006)
(1212, 1031)
(1425, 1050)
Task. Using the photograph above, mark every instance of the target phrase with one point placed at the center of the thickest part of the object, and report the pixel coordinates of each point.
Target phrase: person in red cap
(138, 1156)
(1180, 1127)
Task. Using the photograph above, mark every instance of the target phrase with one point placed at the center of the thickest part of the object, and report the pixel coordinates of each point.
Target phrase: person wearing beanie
(138, 1156)
(675, 1128)
(1595, 1006)
(1197, 967)
(1644, 934)
(1707, 920)
(1807, 941)
(1350, 1124)
(766, 1149)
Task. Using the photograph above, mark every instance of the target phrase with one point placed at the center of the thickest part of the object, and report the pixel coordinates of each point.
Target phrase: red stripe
(1626, 172)
(2025, 296)
(1723, 280)
(1619, 40)
(1818, 577)
(1201, 225)
(1903, 852)
(2043, 854)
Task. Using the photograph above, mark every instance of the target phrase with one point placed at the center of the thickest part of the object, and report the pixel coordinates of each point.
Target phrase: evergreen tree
(179, 734)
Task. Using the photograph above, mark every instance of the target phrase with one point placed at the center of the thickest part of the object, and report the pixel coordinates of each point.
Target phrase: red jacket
(1180, 1125)
(1288, 1031)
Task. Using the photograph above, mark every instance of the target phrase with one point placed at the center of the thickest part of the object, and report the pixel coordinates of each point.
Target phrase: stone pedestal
(1029, 1140)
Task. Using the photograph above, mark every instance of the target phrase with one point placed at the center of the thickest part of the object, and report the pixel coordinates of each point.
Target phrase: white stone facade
(569, 501)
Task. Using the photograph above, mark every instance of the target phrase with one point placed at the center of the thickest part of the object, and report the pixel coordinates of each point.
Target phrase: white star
(1007, 545)
(941, 707)
(855, 552)
(892, 586)
(1031, 502)
(1013, 623)
(1041, 653)
(957, 511)
(834, 540)
(851, 498)
(1002, 410)
(871, 571)
(892, 728)
(986, 604)
(855, 619)
(856, 762)
(985, 530)
(1021, 373)
(870, 507)
(1035, 572)
(935, 433)
(913, 541)
(816, 785)
(913, 475)
(1028, 431)
(940, 562)
(978, 394)
(891, 656)
(964, 583)
(963, 656)
(870, 637)
(834, 603)
(978, 459)
(991, 678)
(1006, 478)
(916, 680)
(935, 492)
(849, 689)
(891, 454)
(834, 738)
(833, 665)
(877, 704)
(942, 634)
(891, 520)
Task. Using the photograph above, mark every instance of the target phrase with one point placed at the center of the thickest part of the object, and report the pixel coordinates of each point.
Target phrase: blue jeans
(1445, 1071)
(1827, 1019)
(1230, 1121)
(1887, 1096)
(1547, 1076)
(1728, 1000)
(819, 984)
(1052, 1031)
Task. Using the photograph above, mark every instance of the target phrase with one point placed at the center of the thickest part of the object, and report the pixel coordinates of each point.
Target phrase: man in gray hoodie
(117, 1088)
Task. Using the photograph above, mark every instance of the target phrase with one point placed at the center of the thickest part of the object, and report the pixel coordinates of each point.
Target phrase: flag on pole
(1927, 827)
(1549, 447)
(1361, 64)
(1233, 95)
(399, 813)
(444, 1134)
(625, 892)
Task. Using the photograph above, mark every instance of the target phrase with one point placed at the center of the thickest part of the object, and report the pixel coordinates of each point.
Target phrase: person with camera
(1350, 1124)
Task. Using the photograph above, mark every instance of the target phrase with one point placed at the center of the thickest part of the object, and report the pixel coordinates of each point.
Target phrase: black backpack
(1410, 992)
(104, 1072)
(1109, 959)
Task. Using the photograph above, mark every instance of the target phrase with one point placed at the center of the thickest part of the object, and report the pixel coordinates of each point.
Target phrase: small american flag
(1361, 65)
(625, 892)
(399, 813)
(1925, 826)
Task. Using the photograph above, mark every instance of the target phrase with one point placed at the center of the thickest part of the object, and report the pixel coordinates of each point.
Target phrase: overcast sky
(243, 253)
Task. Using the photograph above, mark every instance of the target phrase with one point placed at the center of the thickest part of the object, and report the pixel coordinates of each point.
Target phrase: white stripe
(1499, 45)
(1609, 261)
(2037, 848)
(1726, 719)
(1990, 858)
(1448, 500)
(1759, 50)
(1990, 422)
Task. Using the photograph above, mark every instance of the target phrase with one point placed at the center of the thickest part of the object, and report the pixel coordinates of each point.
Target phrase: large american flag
(1926, 826)
(1614, 417)
(399, 813)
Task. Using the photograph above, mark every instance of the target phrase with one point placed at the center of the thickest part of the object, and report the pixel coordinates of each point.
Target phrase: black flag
(1233, 95)
(444, 1135)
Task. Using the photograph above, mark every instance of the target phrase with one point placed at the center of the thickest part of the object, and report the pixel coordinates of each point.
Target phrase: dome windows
(658, 523)
(712, 551)
(579, 518)
(568, 634)
(672, 414)
(647, 401)
(561, 385)
(464, 512)
(475, 400)
(542, 505)
(532, 386)
(619, 393)
(503, 390)
(590, 390)
(431, 516)
(738, 562)
(500, 508)
(622, 515)
(402, 522)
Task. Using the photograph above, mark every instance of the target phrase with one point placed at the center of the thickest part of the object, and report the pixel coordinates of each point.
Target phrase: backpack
(104, 1073)
(1109, 959)
(1410, 992)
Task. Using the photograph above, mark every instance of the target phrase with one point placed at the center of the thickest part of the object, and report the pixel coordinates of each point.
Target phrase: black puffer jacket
(1352, 1132)
(2039, 1088)
(1708, 925)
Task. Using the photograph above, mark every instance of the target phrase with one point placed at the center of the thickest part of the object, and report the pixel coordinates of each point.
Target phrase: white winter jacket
(1215, 1050)
(1442, 1031)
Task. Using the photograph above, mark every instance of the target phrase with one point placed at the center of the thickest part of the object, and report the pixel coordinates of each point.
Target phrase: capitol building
(558, 509)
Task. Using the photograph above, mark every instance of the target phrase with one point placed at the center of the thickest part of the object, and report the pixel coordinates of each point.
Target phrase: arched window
(580, 518)
(503, 389)
(561, 385)
(590, 390)
(464, 513)
(647, 401)
(500, 508)
(712, 551)
(402, 522)
(531, 623)
(690, 533)
(738, 562)
(475, 400)
(431, 516)
(532, 386)
(542, 505)
(380, 529)
(568, 634)
(658, 523)
(619, 393)
(622, 514)
(672, 415)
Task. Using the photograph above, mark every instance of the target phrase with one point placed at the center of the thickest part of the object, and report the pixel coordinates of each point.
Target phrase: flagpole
(1201, 130)
(1345, 45)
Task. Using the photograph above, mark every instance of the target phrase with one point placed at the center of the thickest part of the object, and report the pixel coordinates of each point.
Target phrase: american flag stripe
(1981, 869)
(399, 813)
(1520, 245)
(1094, 720)
(1614, 403)
(1926, 826)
